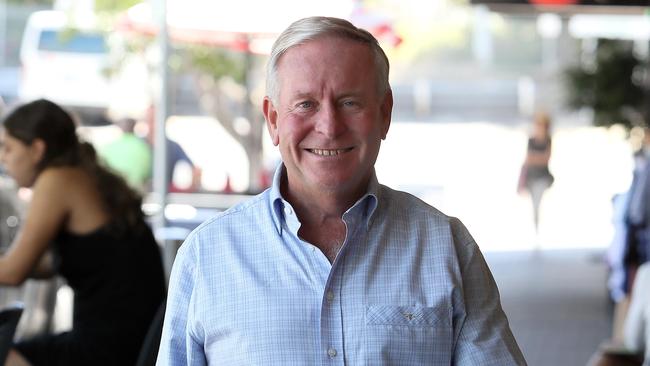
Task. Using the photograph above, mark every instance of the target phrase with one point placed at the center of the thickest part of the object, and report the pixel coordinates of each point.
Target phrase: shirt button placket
(332, 322)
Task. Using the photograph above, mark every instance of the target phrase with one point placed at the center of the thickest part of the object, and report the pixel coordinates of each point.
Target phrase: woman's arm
(46, 213)
(44, 268)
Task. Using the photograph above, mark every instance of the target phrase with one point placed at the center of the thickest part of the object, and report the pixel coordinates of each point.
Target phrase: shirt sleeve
(635, 323)
(178, 346)
(483, 336)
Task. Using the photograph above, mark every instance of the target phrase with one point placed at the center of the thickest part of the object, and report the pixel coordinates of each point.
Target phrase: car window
(71, 41)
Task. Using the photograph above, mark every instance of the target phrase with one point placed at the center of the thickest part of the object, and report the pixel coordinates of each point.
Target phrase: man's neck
(321, 225)
(320, 204)
(320, 214)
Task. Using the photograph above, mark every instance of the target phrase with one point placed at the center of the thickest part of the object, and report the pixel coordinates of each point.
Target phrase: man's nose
(329, 121)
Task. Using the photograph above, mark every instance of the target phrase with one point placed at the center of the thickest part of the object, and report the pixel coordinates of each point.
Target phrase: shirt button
(329, 296)
(331, 352)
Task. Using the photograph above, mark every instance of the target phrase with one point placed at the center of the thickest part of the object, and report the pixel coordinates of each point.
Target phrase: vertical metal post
(3, 32)
(160, 184)
(254, 165)
(482, 47)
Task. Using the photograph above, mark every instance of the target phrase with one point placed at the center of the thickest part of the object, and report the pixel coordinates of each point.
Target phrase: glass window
(71, 41)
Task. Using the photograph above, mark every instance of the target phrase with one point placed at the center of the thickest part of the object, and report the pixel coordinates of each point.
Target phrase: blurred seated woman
(92, 224)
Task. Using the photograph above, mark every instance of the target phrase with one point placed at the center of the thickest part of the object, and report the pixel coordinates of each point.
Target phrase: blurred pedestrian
(176, 156)
(85, 224)
(129, 155)
(535, 176)
(638, 210)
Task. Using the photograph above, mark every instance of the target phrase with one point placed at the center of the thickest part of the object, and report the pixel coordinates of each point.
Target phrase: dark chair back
(9, 318)
(149, 350)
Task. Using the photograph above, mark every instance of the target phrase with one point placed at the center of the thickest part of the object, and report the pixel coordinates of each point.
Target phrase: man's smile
(329, 152)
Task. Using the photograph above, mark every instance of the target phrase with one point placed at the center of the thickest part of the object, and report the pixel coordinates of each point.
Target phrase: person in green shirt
(129, 155)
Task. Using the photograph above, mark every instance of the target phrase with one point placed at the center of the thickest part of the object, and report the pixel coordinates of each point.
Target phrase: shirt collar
(372, 199)
(276, 198)
(367, 203)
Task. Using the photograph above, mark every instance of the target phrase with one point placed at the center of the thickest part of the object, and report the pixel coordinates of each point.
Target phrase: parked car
(65, 63)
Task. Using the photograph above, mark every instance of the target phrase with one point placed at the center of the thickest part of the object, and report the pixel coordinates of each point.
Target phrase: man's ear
(386, 113)
(271, 117)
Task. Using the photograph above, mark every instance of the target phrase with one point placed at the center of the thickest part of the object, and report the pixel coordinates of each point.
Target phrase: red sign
(553, 2)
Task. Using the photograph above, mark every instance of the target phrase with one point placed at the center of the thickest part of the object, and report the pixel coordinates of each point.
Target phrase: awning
(248, 25)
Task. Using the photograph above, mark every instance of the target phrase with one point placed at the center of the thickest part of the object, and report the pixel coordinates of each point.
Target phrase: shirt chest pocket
(408, 335)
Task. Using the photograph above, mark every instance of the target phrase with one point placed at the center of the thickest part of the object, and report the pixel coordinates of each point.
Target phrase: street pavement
(556, 302)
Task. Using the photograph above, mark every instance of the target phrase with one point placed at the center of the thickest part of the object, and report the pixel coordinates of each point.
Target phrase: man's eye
(305, 105)
(350, 103)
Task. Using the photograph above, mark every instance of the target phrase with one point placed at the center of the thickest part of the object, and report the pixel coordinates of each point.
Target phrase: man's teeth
(324, 152)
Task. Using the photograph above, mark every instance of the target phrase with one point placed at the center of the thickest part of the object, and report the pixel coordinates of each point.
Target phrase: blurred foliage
(31, 2)
(114, 5)
(610, 86)
(216, 62)
(184, 57)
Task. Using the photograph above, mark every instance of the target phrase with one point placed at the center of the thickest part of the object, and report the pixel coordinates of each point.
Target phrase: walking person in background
(176, 155)
(85, 224)
(535, 176)
(328, 265)
(638, 209)
(129, 155)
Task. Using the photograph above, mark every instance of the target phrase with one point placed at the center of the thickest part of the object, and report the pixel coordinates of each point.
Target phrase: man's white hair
(309, 29)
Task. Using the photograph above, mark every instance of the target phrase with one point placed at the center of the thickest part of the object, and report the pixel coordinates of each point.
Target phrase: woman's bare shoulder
(74, 190)
(63, 179)
(63, 173)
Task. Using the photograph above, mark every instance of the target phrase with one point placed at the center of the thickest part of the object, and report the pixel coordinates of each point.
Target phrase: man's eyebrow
(349, 94)
(307, 95)
(300, 95)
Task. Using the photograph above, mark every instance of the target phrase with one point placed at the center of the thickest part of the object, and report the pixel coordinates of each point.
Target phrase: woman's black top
(118, 284)
(538, 172)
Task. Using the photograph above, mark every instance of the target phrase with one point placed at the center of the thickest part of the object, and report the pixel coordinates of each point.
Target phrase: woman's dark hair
(45, 120)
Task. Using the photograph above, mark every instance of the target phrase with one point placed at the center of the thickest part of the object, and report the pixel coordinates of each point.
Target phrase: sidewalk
(556, 302)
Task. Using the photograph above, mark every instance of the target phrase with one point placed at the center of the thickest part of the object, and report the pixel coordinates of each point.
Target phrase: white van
(64, 64)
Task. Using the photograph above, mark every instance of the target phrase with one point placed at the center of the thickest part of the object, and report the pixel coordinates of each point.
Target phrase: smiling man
(328, 266)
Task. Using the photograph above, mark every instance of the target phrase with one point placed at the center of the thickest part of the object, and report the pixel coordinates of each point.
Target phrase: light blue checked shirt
(408, 287)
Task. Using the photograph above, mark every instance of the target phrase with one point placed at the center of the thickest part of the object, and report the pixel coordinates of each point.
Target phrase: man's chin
(338, 185)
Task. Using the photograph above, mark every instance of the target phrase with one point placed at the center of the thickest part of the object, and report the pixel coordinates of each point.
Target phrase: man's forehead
(329, 64)
(323, 44)
(328, 54)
